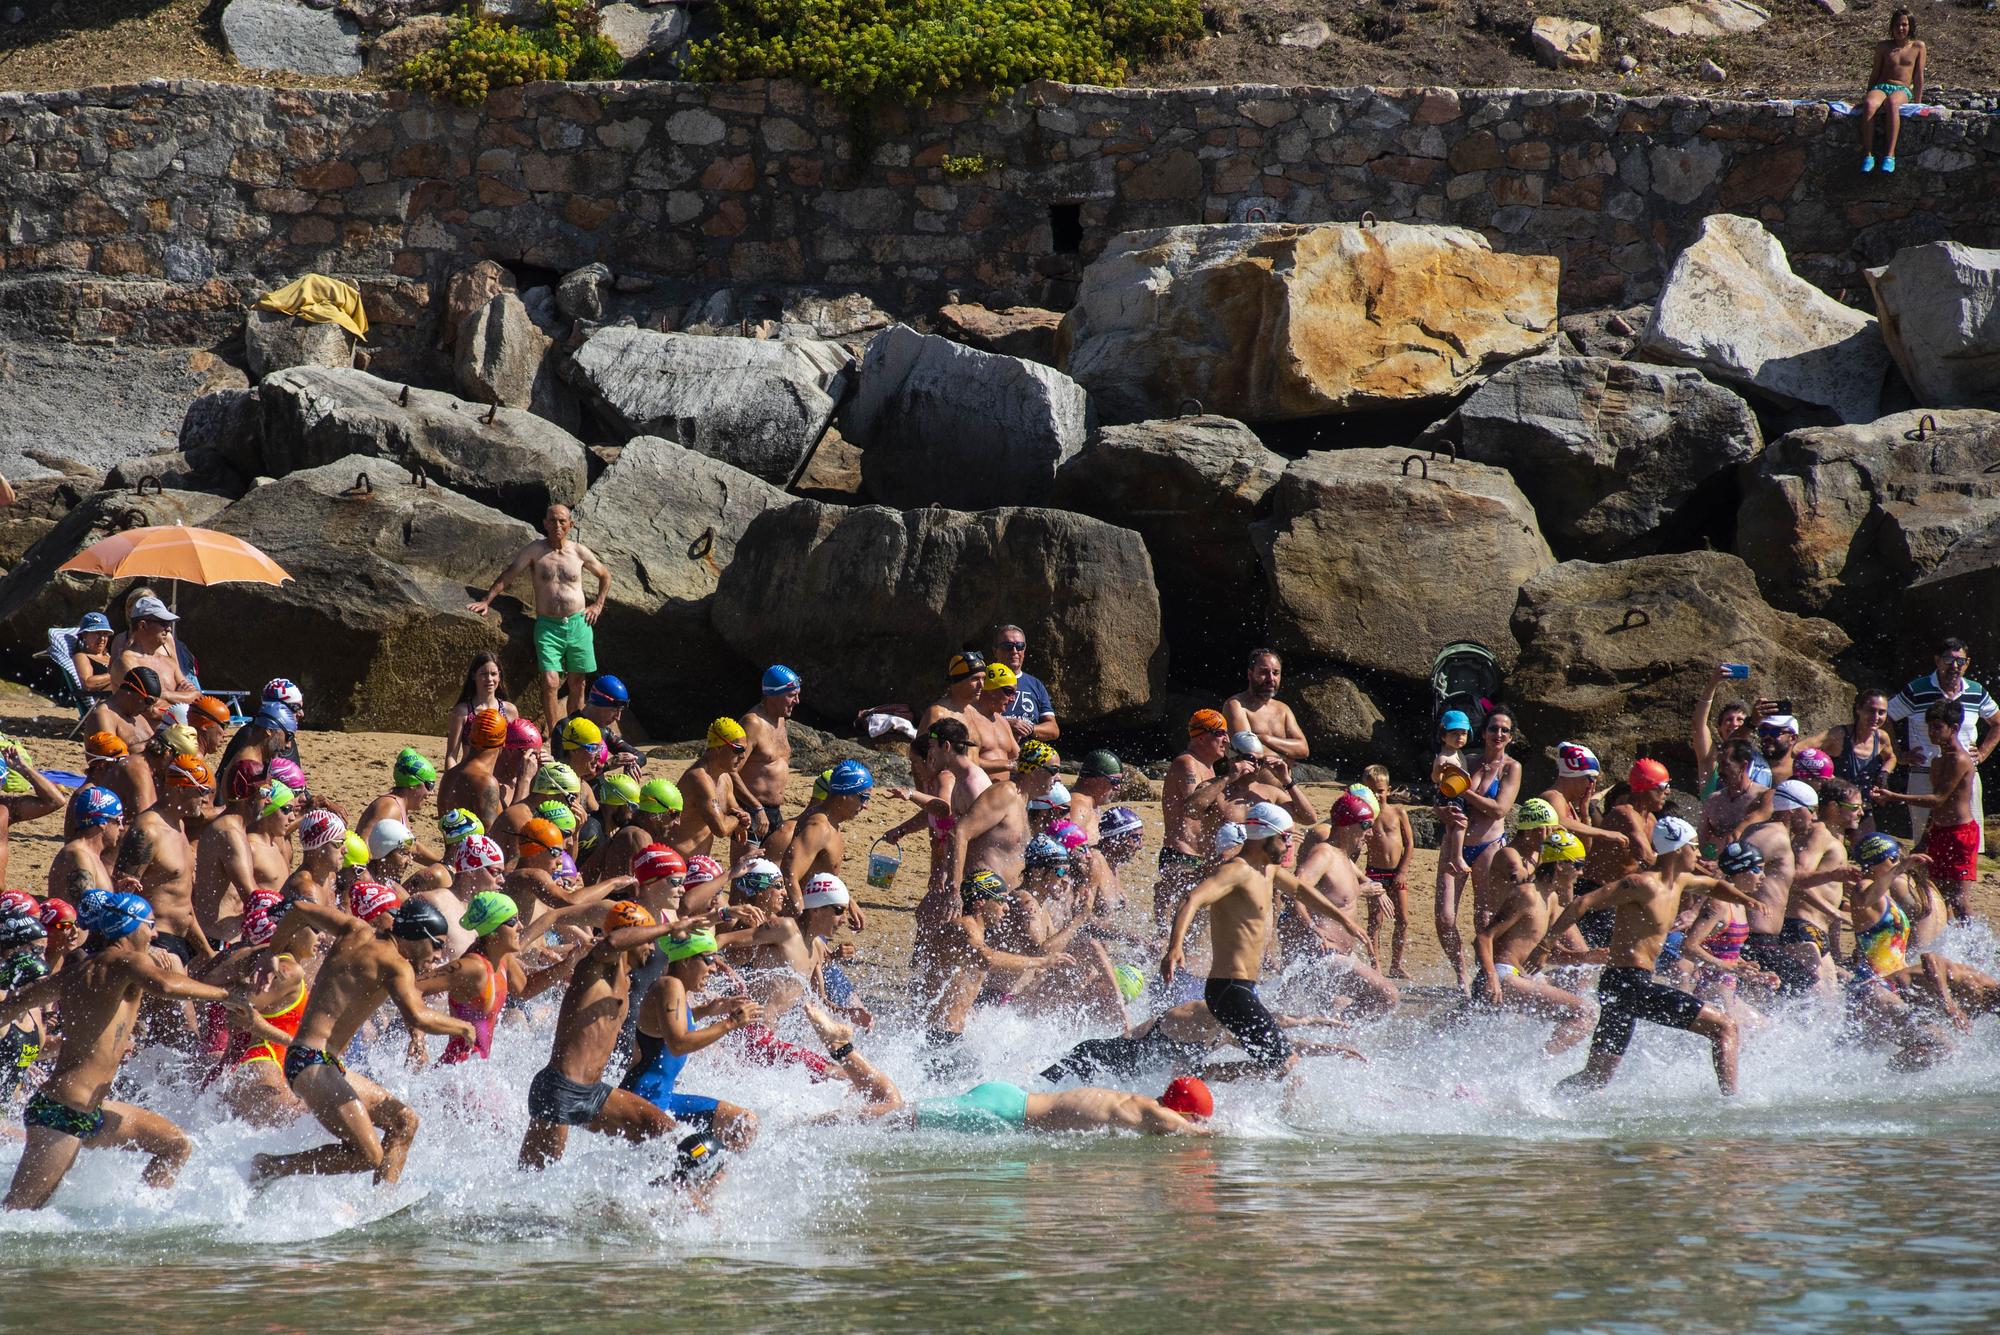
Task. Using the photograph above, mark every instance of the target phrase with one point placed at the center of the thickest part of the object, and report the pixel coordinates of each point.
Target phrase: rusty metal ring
(1925, 426)
(139, 487)
(1421, 463)
(1191, 407)
(1645, 618)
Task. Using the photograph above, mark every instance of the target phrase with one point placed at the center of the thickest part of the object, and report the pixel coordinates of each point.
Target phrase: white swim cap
(387, 836)
(1266, 819)
(826, 891)
(1794, 795)
(1671, 833)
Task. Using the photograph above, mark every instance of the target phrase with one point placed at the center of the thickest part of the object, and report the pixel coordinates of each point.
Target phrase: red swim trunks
(767, 1049)
(1954, 851)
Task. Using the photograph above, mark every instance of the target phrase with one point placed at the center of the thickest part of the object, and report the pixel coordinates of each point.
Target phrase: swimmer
(1523, 907)
(1181, 854)
(1177, 1040)
(322, 849)
(668, 1036)
(988, 724)
(229, 864)
(712, 793)
(1390, 840)
(251, 1069)
(817, 846)
(477, 984)
(474, 782)
(96, 820)
(1877, 1008)
(769, 763)
(1715, 942)
(42, 798)
(1331, 866)
(954, 781)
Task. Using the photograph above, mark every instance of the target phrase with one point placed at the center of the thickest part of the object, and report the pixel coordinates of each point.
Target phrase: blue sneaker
(1868, 163)
(1888, 164)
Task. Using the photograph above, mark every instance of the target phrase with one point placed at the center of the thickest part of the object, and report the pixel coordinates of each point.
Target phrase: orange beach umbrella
(171, 551)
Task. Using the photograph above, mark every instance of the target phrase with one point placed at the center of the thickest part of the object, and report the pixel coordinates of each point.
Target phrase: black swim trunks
(774, 816)
(1626, 996)
(47, 1112)
(1236, 1007)
(1595, 926)
(1769, 951)
(298, 1059)
(177, 946)
(559, 1101)
(1126, 1057)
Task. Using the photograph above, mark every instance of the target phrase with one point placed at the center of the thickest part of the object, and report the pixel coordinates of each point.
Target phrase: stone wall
(188, 197)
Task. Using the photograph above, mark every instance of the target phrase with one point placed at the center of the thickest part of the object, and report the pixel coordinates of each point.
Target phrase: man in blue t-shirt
(1033, 714)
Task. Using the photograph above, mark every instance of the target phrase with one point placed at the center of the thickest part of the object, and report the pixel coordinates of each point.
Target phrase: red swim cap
(656, 862)
(1189, 1097)
(371, 899)
(1646, 775)
(1351, 810)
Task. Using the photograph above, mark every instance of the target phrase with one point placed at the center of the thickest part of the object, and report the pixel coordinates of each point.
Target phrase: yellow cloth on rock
(318, 299)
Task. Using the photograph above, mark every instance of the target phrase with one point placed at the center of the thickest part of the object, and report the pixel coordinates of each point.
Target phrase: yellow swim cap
(1559, 845)
(724, 732)
(999, 677)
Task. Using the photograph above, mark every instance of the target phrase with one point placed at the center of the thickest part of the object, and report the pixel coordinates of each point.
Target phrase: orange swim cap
(210, 708)
(1207, 720)
(105, 746)
(190, 772)
(625, 913)
(487, 729)
(1646, 775)
(543, 832)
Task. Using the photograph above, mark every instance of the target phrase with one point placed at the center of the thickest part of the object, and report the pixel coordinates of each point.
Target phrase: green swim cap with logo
(489, 911)
(701, 943)
(558, 814)
(412, 770)
(659, 797)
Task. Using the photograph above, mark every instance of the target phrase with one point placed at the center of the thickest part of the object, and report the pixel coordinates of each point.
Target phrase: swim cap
(1119, 823)
(260, 917)
(1559, 845)
(1131, 982)
(112, 915)
(754, 877)
(419, 920)
(1266, 819)
(1794, 795)
(277, 796)
(724, 732)
(280, 691)
(488, 912)
(1877, 849)
(1813, 763)
(1739, 857)
(477, 853)
(1100, 765)
(780, 680)
(353, 850)
(659, 797)
(607, 692)
(1646, 775)
(964, 665)
(1189, 1097)
(541, 833)
(522, 735)
(387, 836)
(618, 790)
(486, 729)
(142, 682)
(288, 772)
(826, 891)
(105, 746)
(1035, 755)
(210, 709)
(820, 781)
(1576, 762)
(24, 966)
(94, 806)
(1671, 833)
(1206, 720)
(1535, 814)
(20, 901)
(700, 943)
(999, 677)
(458, 825)
(698, 1157)
(321, 829)
(983, 884)
(701, 869)
(657, 862)
(1055, 799)
(1365, 795)
(556, 778)
(413, 770)
(190, 772)
(17, 929)
(56, 913)
(600, 753)
(180, 739)
(1454, 720)
(1044, 851)
(557, 814)
(371, 899)
(849, 778)
(246, 778)
(276, 717)
(1069, 834)
(578, 732)
(1351, 810)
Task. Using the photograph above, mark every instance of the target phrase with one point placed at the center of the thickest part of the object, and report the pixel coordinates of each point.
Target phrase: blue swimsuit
(653, 1073)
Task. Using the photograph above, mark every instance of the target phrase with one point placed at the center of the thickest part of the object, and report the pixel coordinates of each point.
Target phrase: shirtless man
(963, 958)
(1631, 815)
(322, 848)
(780, 958)
(1510, 864)
(132, 712)
(98, 994)
(150, 645)
(1522, 912)
(952, 781)
(1182, 853)
(1647, 904)
(1097, 781)
(1951, 838)
(1896, 78)
(1257, 709)
(109, 764)
(1248, 775)
(472, 782)
(245, 849)
(367, 965)
(1332, 866)
(156, 859)
(1737, 803)
(1816, 875)
(988, 724)
(712, 801)
(564, 639)
(1240, 895)
(769, 762)
(1178, 1039)
(993, 833)
(97, 823)
(532, 883)
(817, 844)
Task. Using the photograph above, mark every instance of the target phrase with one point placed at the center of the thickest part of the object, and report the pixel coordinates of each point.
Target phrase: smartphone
(1736, 671)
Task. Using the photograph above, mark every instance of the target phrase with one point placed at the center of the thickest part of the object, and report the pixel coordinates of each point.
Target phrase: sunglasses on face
(738, 747)
(1014, 646)
(1956, 660)
(1498, 727)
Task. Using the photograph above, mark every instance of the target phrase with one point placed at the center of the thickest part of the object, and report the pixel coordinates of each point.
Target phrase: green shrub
(968, 167)
(915, 50)
(485, 52)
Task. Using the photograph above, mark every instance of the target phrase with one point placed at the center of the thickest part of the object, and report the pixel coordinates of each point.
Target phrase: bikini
(1472, 851)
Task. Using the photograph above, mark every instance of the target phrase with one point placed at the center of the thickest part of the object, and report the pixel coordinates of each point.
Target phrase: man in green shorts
(565, 645)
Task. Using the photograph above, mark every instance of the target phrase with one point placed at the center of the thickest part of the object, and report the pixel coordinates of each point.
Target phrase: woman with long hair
(1862, 750)
(484, 689)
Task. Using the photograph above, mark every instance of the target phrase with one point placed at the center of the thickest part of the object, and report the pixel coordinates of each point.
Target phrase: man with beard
(1257, 709)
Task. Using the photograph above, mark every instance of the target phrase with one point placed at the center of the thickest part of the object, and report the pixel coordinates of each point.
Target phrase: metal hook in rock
(703, 545)
(1645, 618)
(1256, 213)
(1368, 218)
(1925, 426)
(139, 487)
(1421, 463)
(362, 487)
(1191, 407)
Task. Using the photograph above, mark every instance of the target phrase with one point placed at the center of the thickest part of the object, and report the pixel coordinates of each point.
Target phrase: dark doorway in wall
(1066, 228)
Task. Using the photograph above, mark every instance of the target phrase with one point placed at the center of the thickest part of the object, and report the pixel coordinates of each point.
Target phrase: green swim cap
(618, 790)
(556, 777)
(558, 814)
(659, 797)
(1130, 981)
(353, 851)
(276, 798)
(701, 943)
(459, 825)
(821, 785)
(412, 770)
(489, 911)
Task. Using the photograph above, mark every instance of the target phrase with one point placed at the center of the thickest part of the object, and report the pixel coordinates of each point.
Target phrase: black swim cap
(700, 1157)
(418, 920)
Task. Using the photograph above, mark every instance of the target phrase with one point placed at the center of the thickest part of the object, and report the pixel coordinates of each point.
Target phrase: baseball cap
(1779, 723)
(150, 608)
(1454, 720)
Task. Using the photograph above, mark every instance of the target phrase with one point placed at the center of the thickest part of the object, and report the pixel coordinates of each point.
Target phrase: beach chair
(68, 688)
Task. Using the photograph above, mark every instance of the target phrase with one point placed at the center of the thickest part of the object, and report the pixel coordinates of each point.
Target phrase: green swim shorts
(992, 1109)
(565, 644)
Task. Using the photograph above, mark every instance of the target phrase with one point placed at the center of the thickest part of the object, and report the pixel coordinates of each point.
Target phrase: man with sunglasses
(156, 857)
(1947, 684)
(817, 845)
(990, 728)
(1033, 712)
(1182, 850)
(131, 713)
(1257, 709)
(713, 801)
(151, 645)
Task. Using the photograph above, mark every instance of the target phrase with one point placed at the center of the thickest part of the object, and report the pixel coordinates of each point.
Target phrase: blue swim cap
(277, 714)
(1046, 851)
(1877, 849)
(608, 690)
(111, 915)
(778, 679)
(1454, 720)
(848, 778)
(93, 806)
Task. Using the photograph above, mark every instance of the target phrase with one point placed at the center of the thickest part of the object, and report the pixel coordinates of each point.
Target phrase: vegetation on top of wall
(486, 52)
(917, 50)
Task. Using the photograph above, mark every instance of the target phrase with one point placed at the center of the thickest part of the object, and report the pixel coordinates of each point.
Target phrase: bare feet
(831, 1031)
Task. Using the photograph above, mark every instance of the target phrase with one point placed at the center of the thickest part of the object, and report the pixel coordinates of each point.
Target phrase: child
(1451, 775)
(1389, 844)
(1897, 77)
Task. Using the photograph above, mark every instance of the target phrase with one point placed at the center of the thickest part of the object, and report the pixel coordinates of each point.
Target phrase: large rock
(225, 430)
(642, 34)
(1609, 451)
(939, 423)
(1733, 309)
(67, 407)
(1268, 321)
(1567, 44)
(1190, 487)
(757, 404)
(666, 520)
(1347, 726)
(515, 461)
(1940, 309)
(1615, 655)
(503, 357)
(275, 341)
(1708, 18)
(287, 35)
(389, 52)
(38, 507)
(1372, 565)
(1956, 598)
(1027, 332)
(1837, 521)
(467, 292)
(868, 603)
(373, 624)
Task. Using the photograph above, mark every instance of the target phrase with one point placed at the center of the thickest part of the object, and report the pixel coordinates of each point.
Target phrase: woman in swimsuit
(483, 689)
(251, 1072)
(477, 983)
(1896, 77)
(1496, 782)
(1862, 751)
(957, 780)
